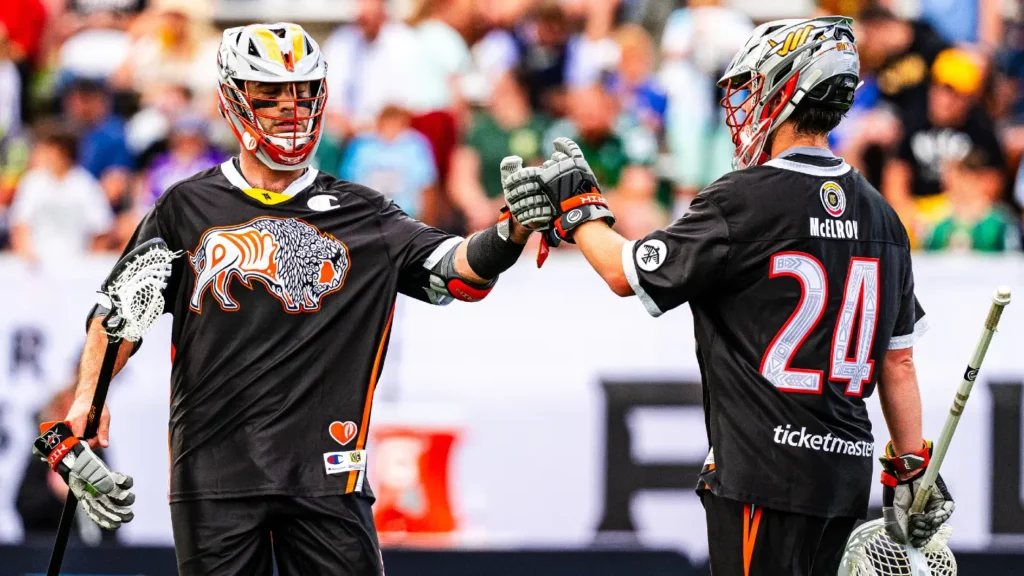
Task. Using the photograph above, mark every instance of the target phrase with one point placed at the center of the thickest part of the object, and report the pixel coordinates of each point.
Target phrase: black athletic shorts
(332, 535)
(746, 540)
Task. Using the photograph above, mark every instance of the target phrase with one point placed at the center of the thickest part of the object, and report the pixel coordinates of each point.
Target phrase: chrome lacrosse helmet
(786, 63)
(281, 53)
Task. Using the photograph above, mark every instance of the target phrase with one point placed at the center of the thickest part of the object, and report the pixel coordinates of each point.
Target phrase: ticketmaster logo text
(827, 443)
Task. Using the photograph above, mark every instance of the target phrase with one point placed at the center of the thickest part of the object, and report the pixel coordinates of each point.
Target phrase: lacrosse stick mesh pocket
(137, 292)
(871, 552)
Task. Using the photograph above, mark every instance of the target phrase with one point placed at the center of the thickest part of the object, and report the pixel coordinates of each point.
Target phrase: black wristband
(489, 254)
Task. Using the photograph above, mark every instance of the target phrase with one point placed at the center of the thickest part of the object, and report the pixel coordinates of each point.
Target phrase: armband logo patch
(651, 255)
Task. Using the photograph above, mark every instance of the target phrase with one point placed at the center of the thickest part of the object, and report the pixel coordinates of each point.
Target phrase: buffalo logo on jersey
(297, 263)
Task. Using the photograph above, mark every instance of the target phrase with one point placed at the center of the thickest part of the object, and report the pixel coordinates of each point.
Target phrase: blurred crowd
(106, 103)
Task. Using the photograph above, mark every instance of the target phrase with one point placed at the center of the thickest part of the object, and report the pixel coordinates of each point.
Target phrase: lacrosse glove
(556, 197)
(898, 495)
(103, 494)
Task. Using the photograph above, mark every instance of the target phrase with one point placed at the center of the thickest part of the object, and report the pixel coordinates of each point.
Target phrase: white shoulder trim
(303, 182)
(908, 340)
(237, 180)
(436, 297)
(807, 151)
(442, 249)
(233, 175)
(629, 267)
(825, 171)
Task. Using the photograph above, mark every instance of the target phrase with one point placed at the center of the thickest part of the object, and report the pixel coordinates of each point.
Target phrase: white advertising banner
(570, 416)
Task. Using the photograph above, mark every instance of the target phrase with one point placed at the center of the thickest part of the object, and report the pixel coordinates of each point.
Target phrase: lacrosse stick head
(135, 288)
(870, 551)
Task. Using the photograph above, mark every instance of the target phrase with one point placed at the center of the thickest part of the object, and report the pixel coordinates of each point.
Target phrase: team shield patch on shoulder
(297, 263)
(833, 199)
(650, 255)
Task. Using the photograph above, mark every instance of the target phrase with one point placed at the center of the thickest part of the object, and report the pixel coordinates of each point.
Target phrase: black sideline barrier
(132, 561)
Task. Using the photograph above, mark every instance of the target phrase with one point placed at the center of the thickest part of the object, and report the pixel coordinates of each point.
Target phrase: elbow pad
(448, 283)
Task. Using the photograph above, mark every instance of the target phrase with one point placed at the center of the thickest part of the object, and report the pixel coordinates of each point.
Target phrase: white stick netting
(137, 293)
(871, 552)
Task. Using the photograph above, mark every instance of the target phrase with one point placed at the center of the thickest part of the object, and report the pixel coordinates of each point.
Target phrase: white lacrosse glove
(898, 495)
(104, 495)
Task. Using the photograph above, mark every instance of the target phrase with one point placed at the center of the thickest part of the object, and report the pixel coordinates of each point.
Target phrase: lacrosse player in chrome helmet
(800, 283)
(283, 295)
(786, 64)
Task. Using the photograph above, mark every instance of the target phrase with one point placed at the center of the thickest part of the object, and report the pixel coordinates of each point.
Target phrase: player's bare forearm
(901, 400)
(517, 234)
(88, 374)
(602, 247)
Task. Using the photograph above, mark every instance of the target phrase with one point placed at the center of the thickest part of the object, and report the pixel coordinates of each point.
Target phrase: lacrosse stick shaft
(67, 516)
(999, 301)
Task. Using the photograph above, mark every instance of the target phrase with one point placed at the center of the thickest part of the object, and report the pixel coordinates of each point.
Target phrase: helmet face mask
(275, 107)
(783, 62)
(752, 121)
(281, 120)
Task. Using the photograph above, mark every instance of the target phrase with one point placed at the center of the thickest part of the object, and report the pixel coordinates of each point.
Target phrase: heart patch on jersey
(833, 199)
(343, 432)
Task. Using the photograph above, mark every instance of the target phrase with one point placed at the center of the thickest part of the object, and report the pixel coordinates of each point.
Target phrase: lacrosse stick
(135, 288)
(870, 551)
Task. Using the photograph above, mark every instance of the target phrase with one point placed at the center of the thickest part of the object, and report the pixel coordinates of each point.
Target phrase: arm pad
(491, 252)
(447, 282)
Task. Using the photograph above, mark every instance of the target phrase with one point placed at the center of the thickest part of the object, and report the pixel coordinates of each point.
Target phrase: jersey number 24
(861, 291)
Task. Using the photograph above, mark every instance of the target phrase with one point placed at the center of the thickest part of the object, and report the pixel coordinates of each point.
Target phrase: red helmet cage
(748, 129)
(255, 136)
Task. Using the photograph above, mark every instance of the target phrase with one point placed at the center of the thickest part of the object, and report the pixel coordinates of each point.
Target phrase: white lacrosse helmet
(278, 53)
(783, 64)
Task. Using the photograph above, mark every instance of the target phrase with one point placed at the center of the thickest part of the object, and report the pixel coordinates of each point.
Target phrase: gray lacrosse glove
(104, 495)
(556, 197)
(898, 495)
(531, 208)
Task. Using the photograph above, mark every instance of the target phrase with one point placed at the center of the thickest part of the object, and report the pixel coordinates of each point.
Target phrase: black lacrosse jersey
(799, 278)
(282, 307)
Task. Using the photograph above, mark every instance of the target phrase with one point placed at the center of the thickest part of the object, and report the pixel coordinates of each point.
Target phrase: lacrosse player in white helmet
(282, 314)
(799, 279)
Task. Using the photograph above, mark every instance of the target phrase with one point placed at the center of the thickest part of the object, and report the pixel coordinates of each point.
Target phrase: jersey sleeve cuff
(629, 267)
(442, 249)
(908, 340)
(434, 297)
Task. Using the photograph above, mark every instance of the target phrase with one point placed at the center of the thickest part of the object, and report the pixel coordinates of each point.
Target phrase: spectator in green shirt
(974, 222)
(506, 127)
(610, 141)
